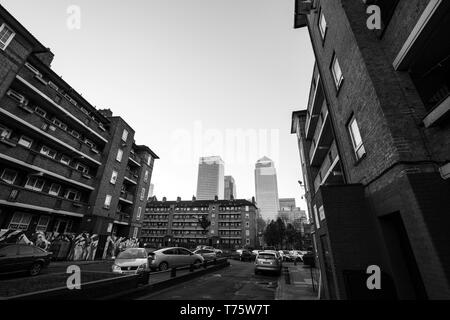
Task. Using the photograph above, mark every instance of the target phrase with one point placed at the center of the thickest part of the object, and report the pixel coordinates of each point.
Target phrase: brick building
(233, 223)
(375, 145)
(65, 166)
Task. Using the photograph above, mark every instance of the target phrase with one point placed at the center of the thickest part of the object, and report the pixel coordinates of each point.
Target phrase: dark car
(15, 258)
(244, 255)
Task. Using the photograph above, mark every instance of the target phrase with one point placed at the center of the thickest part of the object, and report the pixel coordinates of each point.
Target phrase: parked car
(16, 258)
(217, 251)
(296, 255)
(131, 261)
(268, 261)
(166, 258)
(207, 254)
(243, 255)
(286, 256)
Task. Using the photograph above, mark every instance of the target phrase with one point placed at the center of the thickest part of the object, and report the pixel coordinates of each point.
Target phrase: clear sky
(193, 77)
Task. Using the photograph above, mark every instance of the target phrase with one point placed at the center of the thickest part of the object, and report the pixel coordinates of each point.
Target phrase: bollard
(191, 268)
(173, 272)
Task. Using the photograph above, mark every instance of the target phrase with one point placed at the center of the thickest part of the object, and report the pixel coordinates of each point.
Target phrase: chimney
(107, 113)
(253, 200)
(194, 198)
(231, 197)
(178, 199)
(164, 199)
(216, 198)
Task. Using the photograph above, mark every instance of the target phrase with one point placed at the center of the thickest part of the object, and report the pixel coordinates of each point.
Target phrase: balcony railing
(323, 137)
(329, 165)
(42, 127)
(33, 158)
(64, 103)
(131, 176)
(315, 103)
(127, 197)
(22, 197)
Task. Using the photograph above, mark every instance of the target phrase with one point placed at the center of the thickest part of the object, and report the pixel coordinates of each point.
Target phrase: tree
(204, 223)
(271, 235)
(281, 230)
(291, 235)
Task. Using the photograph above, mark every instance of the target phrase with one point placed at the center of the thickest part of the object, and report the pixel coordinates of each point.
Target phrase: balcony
(36, 126)
(131, 177)
(134, 160)
(315, 103)
(330, 172)
(123, 217)
(37, 162)
(127, 197)
(40, 92)
(322, 139)
(20, 197)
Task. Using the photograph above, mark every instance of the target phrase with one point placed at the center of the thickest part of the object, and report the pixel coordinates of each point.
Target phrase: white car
(131, 261)
(166, 258)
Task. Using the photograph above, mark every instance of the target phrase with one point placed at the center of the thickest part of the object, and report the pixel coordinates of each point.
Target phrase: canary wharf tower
(266, 188)
(210, 178)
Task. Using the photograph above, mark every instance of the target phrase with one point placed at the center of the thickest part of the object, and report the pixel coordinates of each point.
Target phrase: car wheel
(163, 266)
(197, 264)
(35, 269)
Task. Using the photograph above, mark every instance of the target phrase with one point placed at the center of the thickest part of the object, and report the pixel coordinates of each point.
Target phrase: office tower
(266, 189)
(210, 178)
(230, 188)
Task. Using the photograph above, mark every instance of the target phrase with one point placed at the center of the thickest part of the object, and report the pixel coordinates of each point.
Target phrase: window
(16, 96)
(114, 177)
(146, 177)
(119, 155)
(355, 135)
(40, 112)
(59, 124)
(72, 195)
(107, 204)
(5, 133)
(9, 176)
(142, 194)
(43, 223)
(54, 189)
(322, 25)
(125, 135)
(149, 160)
(139, 211)
(20, 221)
(25, 142)
(75, 134)
(135, 233)
(82, 168)
(65, 159)
(6, 36)
(35, 184)
(9, 251)
(337, 72)
(48, 152)
(89, 143)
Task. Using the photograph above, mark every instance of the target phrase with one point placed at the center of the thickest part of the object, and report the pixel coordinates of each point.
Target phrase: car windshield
(132, 254)
(267, 256)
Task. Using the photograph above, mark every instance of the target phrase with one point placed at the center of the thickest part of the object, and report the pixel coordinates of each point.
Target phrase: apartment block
(65, 166)
(374, 143)
(230, 223)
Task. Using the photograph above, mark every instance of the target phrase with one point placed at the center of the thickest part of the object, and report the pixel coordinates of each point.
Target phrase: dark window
(8, 251)
(26, 250)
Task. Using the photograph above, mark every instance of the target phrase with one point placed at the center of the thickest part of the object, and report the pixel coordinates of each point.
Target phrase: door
(185, 257)
(26, 257)
(8, 258)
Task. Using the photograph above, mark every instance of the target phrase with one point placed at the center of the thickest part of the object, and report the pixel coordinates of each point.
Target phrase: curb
(152, 288)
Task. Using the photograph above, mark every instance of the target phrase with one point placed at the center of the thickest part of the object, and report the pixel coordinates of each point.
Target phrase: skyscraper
(230, 187)
(266, 188)
(210, 178)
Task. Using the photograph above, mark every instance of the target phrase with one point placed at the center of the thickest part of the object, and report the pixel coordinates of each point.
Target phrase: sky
(192, 77)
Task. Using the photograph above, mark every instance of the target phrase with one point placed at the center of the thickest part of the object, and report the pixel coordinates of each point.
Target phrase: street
(237, 282)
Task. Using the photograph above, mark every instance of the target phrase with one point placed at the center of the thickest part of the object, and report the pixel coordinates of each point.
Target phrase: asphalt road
(237, 282)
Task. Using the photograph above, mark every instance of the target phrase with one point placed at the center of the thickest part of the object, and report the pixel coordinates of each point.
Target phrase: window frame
(323, 33)
(49, 150)
(114, 177)
(4, 45)
(107, 203)
(356, 148)
(53, 193)
(8, 181)
(337, 82)
(24, 138)
(20, 222)
(33, 186)
(77, 197)
(125, 134)
(119, 158)
(4, 129)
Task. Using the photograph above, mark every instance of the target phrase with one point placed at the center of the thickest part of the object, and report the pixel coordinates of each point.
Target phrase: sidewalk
(300, 286)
